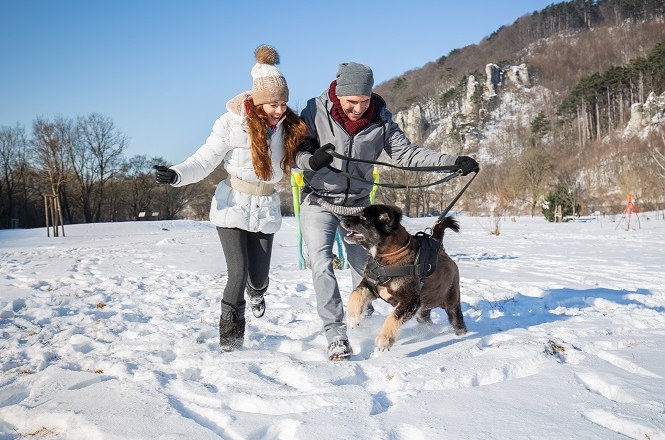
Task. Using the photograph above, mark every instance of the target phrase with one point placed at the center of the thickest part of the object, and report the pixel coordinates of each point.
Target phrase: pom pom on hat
(268, 84)
(266, 55)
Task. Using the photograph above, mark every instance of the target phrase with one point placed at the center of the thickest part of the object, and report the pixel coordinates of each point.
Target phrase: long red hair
(294, 129)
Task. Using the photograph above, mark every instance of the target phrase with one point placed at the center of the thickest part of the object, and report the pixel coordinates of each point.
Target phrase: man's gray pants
(318, 230)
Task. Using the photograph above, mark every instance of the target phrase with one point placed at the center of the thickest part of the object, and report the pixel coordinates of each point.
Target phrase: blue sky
(163, 70)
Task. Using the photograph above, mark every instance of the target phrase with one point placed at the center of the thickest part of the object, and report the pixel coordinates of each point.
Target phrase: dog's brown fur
(378, 228)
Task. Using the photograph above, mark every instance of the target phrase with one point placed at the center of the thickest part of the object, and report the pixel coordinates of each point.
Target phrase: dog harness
(423, 266)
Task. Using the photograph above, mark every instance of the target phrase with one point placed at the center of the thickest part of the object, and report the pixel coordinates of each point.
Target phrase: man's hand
(321, 157)
(309, 144)
(164, 175)
(467, 165)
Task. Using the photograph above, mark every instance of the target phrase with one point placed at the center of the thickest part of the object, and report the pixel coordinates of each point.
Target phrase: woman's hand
(164, 175)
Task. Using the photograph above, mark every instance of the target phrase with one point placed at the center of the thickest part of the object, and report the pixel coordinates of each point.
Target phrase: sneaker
(256, 301)
(339, 350)
(258, 305)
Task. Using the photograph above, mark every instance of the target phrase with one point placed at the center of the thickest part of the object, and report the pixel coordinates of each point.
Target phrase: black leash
(455, 171)
(439, 168)
(395, 185)
(451, 204)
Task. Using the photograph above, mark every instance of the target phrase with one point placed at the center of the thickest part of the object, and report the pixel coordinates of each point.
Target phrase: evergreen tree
(561, 195)
(540, 125)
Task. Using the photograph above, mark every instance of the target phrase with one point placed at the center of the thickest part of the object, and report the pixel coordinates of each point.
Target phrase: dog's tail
(440, 226)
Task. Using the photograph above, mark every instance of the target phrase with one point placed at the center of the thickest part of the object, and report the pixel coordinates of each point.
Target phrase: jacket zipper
(332, 130)
(346, 168)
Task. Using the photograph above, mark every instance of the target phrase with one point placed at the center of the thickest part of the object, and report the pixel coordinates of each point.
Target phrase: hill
(572, 94)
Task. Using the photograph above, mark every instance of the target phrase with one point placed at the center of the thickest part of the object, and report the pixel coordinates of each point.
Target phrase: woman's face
(274, 110)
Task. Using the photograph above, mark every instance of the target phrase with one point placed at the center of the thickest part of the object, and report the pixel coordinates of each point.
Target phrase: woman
(256, 140)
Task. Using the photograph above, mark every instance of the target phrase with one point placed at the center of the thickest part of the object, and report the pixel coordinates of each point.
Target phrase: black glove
(321, 157)
(309, 144)
(164, 174)
(467, 164)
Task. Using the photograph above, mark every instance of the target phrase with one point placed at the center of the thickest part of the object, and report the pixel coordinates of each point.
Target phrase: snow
(111, 333)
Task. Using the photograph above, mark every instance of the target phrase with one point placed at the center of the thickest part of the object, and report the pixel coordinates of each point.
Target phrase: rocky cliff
(480, 118)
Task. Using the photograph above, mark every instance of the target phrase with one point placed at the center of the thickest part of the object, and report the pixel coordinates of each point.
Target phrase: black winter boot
(256, 300)
(232, 326)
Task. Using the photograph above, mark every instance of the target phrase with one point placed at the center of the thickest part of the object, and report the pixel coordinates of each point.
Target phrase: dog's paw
(353, 321)
(425, 321)
(383, 342)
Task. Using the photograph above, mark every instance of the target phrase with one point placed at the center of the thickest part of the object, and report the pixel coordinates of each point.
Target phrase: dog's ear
(389, 219)
(397, 215)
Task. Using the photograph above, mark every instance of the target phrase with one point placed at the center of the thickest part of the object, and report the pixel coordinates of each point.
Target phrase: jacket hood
(235, 105)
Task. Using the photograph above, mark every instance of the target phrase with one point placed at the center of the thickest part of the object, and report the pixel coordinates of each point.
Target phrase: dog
(379, 230)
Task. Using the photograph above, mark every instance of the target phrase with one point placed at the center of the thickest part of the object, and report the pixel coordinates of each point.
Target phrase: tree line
(600, 103)
(584, 14)
(81, 160)
(510, 45)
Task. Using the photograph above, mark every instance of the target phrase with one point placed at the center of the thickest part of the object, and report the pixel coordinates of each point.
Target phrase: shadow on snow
(523, 311)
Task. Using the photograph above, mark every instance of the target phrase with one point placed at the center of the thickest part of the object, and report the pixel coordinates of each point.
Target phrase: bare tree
(50, 143)
(659, 156)
(96, 156)
(173, 201)
(13, 165)
(139, 184)
(412, 200)
(532, 169)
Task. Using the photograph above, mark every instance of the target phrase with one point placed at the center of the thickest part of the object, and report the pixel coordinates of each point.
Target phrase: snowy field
(111, 333)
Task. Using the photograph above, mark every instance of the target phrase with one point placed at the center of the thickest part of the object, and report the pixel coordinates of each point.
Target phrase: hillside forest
(589, 117)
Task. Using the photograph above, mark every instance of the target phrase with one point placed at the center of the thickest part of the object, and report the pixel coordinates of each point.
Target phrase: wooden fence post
(558, 214)
(53, 214)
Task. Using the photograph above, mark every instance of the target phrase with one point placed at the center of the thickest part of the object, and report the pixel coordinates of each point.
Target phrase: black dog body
(378, 229)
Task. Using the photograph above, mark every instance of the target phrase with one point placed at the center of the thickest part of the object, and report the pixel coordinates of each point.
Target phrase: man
(358, 124)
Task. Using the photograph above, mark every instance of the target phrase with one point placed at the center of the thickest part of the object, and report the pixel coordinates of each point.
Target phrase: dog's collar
(398, 251)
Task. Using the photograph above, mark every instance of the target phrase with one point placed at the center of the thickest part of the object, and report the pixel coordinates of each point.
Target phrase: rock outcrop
(647, 117)
(462, 120)
(496, 77)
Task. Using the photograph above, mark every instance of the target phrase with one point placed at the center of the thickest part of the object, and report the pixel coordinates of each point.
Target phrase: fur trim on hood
(236, 104)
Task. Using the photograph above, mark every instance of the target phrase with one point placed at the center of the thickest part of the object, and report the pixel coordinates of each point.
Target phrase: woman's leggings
(247, 257)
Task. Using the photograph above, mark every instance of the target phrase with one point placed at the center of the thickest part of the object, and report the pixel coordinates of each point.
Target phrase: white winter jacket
(229, 143)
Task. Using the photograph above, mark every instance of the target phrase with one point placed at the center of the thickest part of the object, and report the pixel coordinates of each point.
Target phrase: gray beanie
(354, 79)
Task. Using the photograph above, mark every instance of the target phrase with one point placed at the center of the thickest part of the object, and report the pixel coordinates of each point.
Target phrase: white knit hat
(268, 83)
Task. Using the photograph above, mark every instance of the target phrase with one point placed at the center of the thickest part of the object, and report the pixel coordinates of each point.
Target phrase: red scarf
(351, 127)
